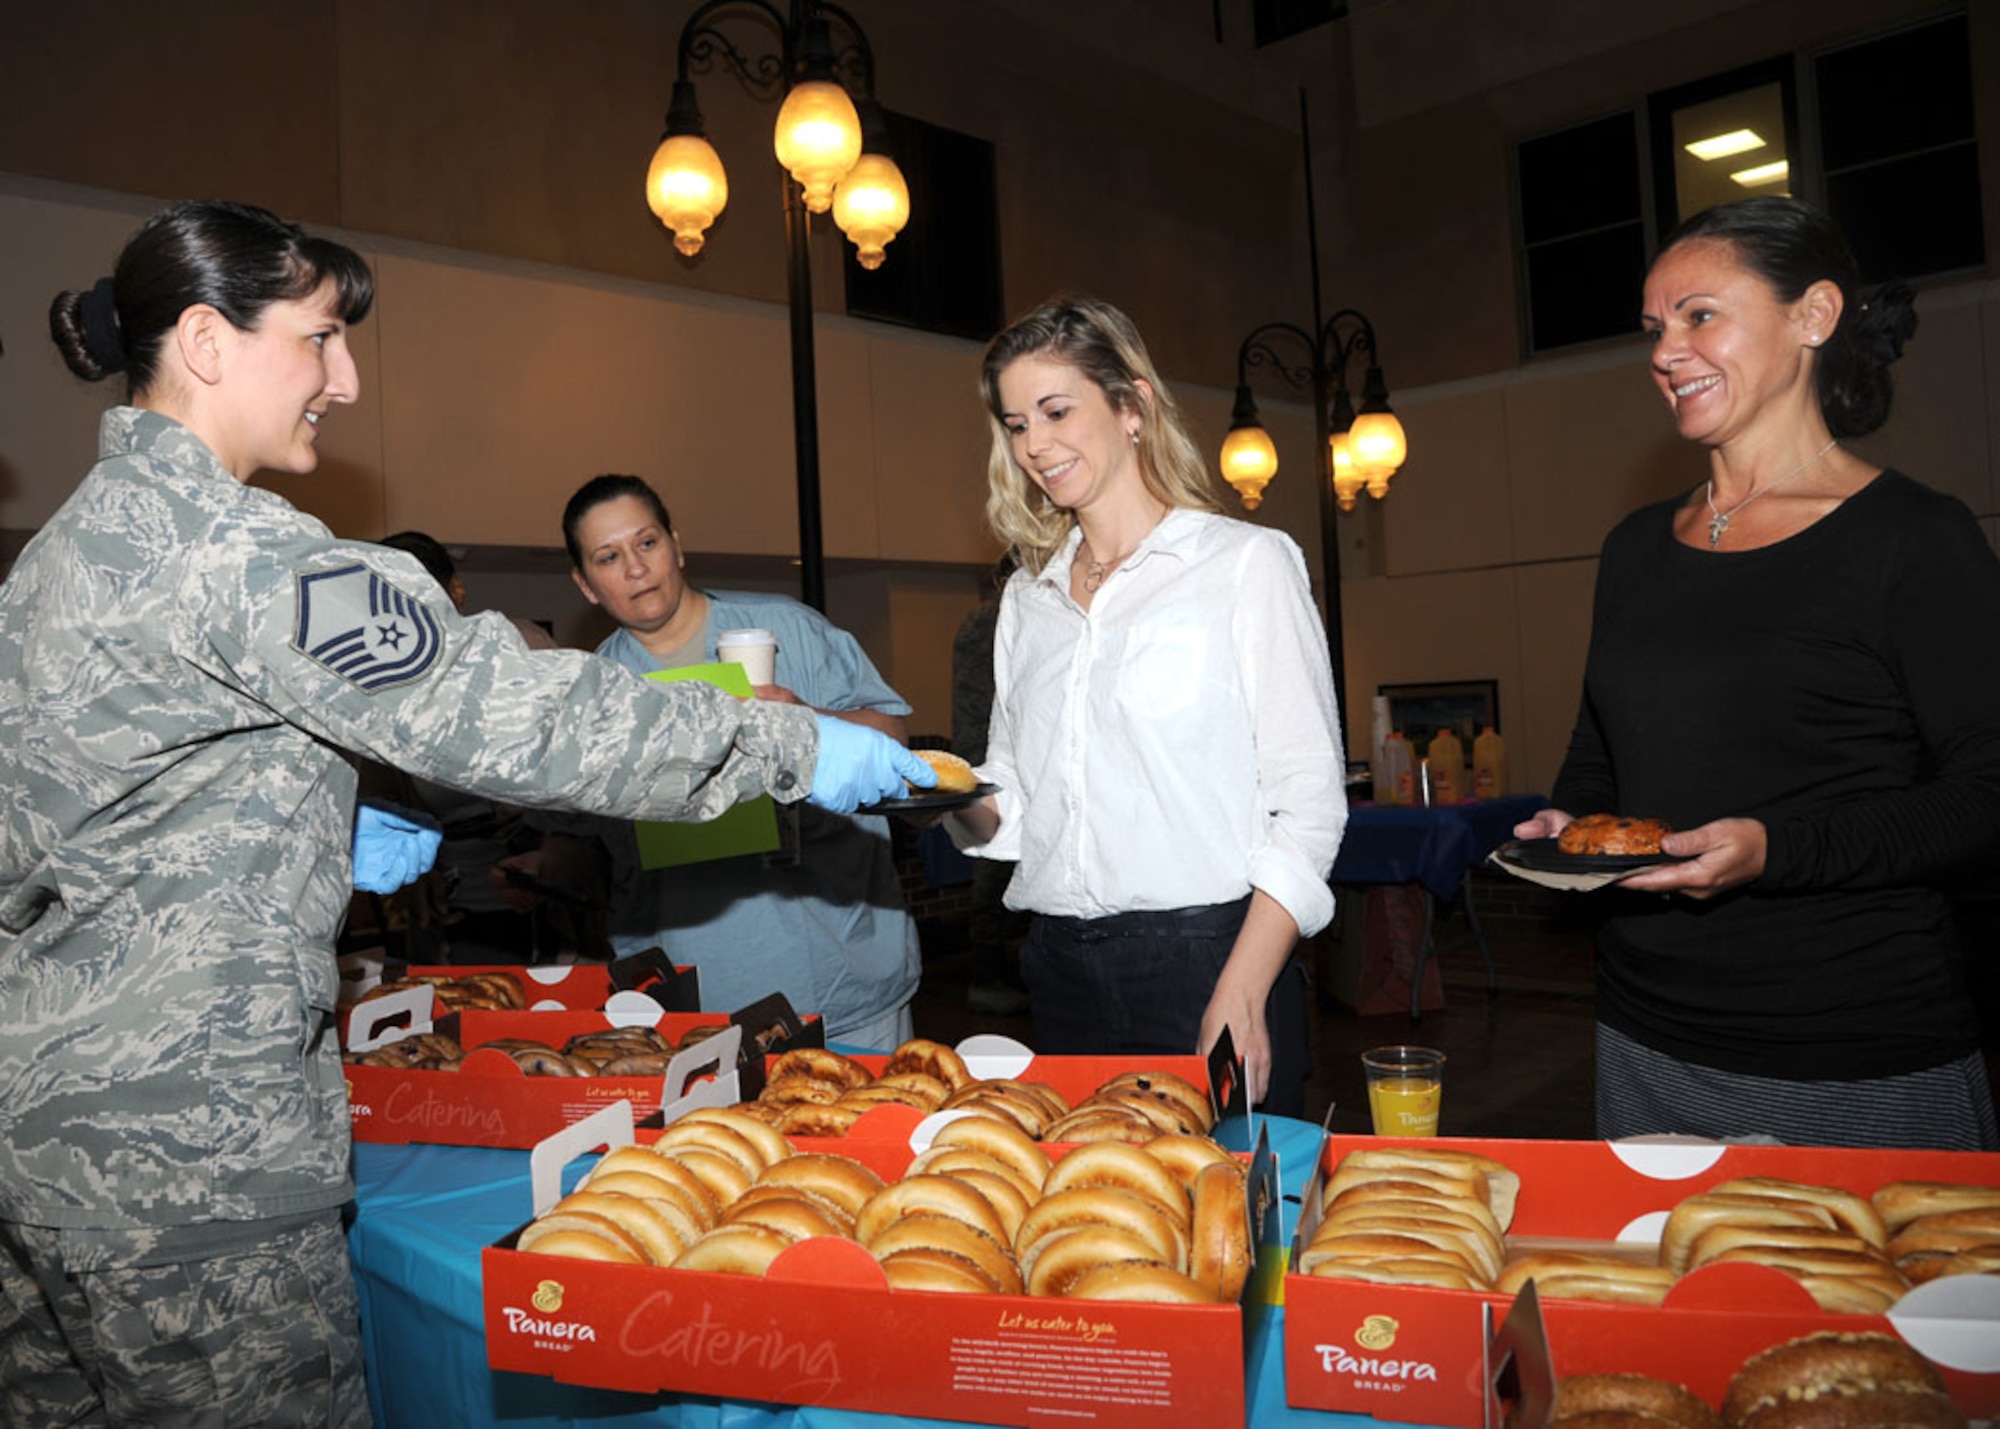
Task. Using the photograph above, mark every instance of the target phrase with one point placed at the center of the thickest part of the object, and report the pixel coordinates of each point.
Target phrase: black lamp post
(1356, 450)
(833, 152)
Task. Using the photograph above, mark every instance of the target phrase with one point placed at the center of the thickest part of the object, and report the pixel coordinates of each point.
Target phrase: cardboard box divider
(1419, 1355)
(490, 1101)
(822, 1328)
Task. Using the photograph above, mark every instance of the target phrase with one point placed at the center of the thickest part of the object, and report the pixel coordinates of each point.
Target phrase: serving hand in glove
(392, 847)
(858, 766)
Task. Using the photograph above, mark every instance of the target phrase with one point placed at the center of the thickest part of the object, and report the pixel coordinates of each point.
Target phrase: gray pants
(265, 1336)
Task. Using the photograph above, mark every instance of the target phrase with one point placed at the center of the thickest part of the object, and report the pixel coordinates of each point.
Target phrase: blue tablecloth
(1399, 843)
(424, 1213)
(1384, 843)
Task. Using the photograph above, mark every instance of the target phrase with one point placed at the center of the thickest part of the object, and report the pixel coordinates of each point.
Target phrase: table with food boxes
(576, 1206)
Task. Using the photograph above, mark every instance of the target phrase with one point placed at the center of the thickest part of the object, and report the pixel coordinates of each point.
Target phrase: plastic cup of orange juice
(1405, 1086)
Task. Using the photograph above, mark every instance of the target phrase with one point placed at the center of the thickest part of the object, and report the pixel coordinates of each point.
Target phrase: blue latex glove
(858, 765)
(392, 847)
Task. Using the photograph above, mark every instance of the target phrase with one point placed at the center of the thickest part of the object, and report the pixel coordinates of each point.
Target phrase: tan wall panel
(503, 392)
(1431, 627)
(925, 610)
(1450, 507)
(845, 383)
(1585, 445)
(930, 452)
(48, 417)
(1555, 639)
(229, 98)
(1943, 376)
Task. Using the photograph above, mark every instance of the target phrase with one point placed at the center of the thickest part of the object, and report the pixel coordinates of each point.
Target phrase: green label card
(749, 827)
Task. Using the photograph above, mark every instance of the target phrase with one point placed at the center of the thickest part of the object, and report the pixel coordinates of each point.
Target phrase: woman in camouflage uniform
(183, 659)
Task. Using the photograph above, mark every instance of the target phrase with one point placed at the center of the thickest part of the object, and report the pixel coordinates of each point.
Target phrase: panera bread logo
(547, 1299)
(1377, 1332)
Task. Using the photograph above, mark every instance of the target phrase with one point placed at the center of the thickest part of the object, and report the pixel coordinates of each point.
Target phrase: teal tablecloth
(423, 1215)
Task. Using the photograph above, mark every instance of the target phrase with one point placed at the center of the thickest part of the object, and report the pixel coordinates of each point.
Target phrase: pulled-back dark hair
(236, 258)
(1791, 245)
(594, 493)
(429, 551)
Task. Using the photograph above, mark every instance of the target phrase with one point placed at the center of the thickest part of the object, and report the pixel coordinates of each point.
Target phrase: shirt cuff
(1293, 887)
(1005, 844)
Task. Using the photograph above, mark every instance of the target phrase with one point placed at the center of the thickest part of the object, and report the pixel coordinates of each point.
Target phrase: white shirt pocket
(1161, 670)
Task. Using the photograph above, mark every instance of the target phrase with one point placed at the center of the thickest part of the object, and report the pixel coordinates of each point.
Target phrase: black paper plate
(931, 803)
(1544, 856)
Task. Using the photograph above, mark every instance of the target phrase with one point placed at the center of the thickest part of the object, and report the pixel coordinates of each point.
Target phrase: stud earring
(1135, 439)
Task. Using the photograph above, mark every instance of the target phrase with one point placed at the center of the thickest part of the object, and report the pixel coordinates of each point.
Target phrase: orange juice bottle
(1489, 764)
(1447, 768)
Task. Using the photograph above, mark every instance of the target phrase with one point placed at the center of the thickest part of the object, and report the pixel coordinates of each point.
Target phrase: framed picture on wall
(1463, 706)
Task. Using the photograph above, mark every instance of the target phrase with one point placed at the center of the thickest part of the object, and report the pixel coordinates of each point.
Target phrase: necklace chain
(1096, 572)
(1718, 521)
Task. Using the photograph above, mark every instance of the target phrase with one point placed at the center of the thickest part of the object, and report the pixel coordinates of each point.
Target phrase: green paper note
(749, 827)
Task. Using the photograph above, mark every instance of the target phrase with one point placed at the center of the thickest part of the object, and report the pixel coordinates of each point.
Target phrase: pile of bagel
(1437, 1217)
(1854, 1255)
(1413, 1217)
(983, 1210)
(489, 992)
(818, 1093)
(1829, 1380)
(1937, 1228)
(607, 1052)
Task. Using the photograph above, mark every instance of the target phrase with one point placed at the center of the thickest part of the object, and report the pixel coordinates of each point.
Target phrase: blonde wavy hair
(1101, 343)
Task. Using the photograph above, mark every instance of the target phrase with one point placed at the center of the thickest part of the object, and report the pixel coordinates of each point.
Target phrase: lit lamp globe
(871, 205)
(1347, 479)
(686, 188)
(1249, 461)
(818, 138)
(1379, 448)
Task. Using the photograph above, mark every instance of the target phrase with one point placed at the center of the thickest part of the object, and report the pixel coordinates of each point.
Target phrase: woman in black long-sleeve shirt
(1789, 682)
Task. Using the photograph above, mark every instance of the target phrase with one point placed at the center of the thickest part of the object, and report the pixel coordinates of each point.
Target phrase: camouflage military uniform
(181, 659)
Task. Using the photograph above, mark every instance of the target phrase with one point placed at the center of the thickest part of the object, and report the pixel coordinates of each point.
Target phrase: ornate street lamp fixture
(1357, 451)
(834, 153)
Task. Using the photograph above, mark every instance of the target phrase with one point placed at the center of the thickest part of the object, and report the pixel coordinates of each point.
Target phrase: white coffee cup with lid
(755, 650)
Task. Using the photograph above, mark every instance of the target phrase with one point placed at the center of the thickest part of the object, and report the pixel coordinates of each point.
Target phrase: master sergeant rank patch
(364, 629)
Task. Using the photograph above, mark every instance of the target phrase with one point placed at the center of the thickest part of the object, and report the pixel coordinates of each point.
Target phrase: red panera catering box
(823, 1328)
(1417, 1355)
(545, 987)
(490, 1101)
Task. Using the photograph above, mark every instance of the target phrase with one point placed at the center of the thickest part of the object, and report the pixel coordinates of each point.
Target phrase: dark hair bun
(1887, 321)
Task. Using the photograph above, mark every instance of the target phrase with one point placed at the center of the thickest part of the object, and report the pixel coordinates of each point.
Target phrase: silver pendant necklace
(1718, 521)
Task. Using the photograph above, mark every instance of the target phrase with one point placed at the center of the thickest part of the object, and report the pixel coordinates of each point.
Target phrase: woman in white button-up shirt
(1164, 737)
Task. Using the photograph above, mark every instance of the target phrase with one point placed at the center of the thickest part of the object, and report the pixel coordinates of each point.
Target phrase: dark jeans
(1136, 984)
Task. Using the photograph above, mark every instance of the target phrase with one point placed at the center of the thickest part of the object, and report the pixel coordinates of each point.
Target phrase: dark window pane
(1912, 216)
(942, 272)
(1580, 289)
(1580, 179)
(1276, 20)
(1896, 95)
